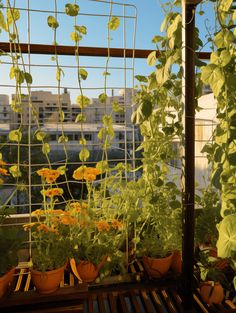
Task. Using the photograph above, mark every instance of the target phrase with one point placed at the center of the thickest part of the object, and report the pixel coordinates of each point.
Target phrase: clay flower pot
(176, 263)
(212, 292)
(157, 267)
(5, 281)
(49, 281)
(88, 271)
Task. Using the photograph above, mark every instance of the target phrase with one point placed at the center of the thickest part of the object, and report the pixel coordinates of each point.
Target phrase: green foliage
(226, 243)
(209, 207)
(114, 23)
(72, 9)
(52, 22)
(82, 101)
(15, 135)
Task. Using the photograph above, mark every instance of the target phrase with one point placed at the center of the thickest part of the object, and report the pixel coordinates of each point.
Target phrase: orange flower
(87, 173)
(52, 192)
(2, 163)
(49, 175)
(103, 225)
(68, 220)
(89, 177)
(116, 224)
(3, 172)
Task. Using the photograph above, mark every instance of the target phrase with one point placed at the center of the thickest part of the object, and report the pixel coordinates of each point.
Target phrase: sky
(142, 21)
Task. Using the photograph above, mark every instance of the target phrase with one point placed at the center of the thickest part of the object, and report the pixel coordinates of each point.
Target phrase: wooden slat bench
(128, 294)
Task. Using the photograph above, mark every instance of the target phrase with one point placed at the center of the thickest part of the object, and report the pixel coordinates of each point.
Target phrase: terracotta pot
(176, 263)
(49, 281)
(5, 281)
(157, 267)
(88, 271)
(212, 292)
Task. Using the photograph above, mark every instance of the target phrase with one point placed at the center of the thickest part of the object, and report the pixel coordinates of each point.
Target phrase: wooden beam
(85, 51)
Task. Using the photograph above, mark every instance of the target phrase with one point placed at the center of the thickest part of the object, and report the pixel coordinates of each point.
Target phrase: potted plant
(11, 238)
(50, 234)
(158, 231)
(215, 276)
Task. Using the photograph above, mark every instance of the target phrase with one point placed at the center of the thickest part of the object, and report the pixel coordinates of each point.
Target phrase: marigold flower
(49, 175)
(3, 172)
(28, 226)
(2, 163)
(52, 192)
(103, 225)
(87, 173)
(68, 220)
(116, 224)
(43, 227)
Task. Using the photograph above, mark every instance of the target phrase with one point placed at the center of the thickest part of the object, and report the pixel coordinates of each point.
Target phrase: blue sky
(149, 19)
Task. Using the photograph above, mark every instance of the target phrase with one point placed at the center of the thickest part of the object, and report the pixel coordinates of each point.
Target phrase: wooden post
(188, 38)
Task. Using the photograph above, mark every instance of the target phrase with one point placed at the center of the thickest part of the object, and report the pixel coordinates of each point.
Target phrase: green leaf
(84, 154)
(62, 169)
(107, 120)
(175, 204)
(114, 23)
(157, 39)
(28, 78)
(226, 243)
(102, 97)
(102, 166)
(82, 101)
(12, 72)
(214, 76)
(117, 108)
(2, 22)
(81, 29)
(15, 135)
(46, 148)
(40, 135)
(234, 15)
(62, 139)
(12, 15)
(76, 37)
(83, 73)
(162, 75)
(15, 171)
(72, 9)
(224, 38)
(52, 22)
(142, 79)
(225, 5)
(151, 59)
(80, 118)
(62, 116)
(221, 58)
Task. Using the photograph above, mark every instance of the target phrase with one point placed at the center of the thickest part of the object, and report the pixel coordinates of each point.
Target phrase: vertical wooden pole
(188, 18)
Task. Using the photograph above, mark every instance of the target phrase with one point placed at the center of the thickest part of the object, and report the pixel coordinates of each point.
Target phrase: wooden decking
(131, 293)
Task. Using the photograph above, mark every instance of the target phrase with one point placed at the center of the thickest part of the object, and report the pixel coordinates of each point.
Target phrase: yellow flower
(38, 212)
(49, 175)
(3, 172)
(28, 226)
(52, 192)
(1, 181)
